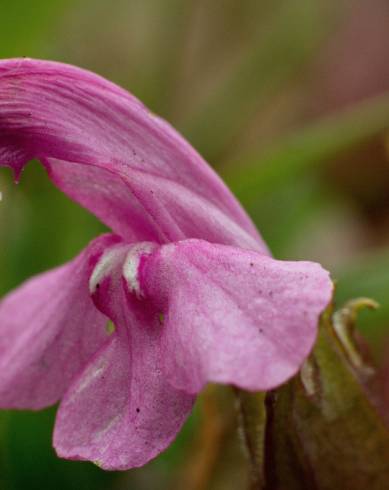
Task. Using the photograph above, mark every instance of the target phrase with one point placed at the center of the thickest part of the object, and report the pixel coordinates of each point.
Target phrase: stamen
(107, 263)
(131, 265)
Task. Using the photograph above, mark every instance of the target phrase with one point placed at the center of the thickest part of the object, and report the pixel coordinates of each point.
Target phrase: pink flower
(185, 278)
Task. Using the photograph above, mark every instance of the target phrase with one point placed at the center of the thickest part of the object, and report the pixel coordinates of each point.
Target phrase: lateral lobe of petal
(59, 113)
(233, 316)
(121, 411)
(49, 328)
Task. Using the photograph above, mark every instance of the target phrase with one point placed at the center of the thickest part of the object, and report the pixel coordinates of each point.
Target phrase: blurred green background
(287, 99)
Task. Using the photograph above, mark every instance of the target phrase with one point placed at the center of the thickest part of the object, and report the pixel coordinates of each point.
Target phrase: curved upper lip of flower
(56, 112)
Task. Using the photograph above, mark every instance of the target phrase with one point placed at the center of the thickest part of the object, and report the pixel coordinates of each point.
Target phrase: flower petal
(121, 411)
(67, 117)
(233, 316)
(49, 328)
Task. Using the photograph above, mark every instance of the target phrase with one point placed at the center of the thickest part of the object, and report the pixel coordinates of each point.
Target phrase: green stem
(252, 425)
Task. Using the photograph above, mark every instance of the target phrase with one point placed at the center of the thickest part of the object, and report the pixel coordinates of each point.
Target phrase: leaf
(368, 274)
(324, 432)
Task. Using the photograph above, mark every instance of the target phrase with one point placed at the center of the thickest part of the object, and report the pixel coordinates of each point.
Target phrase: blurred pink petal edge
(185, 277)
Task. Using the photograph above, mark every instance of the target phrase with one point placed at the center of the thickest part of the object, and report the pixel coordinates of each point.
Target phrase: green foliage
(27, 446)
(307, 149)
(368, 275)
(25, 26)
(322, 431)
(283, 42)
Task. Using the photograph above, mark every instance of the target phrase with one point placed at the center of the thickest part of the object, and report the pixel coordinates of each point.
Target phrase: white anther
(131, 265)
(104, 267)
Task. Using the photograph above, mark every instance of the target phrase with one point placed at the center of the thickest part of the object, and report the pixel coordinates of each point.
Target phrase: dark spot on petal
(251, 264)
(137, 410)
(97, 286)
